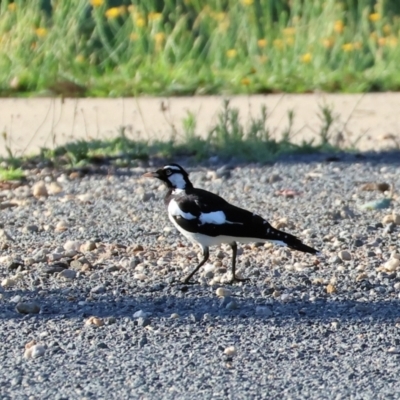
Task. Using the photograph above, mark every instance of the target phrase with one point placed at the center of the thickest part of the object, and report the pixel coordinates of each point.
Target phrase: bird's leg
(234, 253)
(206, 254)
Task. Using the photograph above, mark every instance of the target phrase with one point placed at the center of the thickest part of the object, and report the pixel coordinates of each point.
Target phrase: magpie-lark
(207, 219)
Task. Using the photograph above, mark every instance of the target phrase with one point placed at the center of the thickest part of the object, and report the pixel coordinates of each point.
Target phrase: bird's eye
(168, 172)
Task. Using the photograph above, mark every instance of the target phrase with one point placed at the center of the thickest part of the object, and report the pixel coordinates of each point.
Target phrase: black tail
(291, 241)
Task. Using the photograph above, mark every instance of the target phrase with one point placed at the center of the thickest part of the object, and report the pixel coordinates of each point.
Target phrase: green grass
(190, 46)
(227, 139)
(11, 174)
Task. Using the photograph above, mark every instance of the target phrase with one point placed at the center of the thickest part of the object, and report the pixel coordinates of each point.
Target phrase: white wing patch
(215, 217)
(175, 211)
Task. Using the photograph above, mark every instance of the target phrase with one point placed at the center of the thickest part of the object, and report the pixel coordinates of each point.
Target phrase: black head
(173, 175)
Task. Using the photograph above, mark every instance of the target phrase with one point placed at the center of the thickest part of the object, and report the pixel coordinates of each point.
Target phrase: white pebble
(72, 245)
(15, 299)
(61, 226)
(392, 264)
(230, 351)
(174, 315)
(140, 314)
(223, 292)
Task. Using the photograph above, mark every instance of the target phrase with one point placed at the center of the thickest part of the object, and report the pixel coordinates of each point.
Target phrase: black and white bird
(207, 219)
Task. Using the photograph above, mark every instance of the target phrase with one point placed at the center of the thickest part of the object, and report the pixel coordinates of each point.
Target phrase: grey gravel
(105, 252)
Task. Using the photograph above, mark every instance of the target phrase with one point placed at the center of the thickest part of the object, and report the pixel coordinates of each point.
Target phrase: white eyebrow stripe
(174, 167)
(175, 211)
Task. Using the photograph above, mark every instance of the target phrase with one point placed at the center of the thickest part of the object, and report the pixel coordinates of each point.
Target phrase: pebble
(27, 307)
(331, 289)
(87, 246)
(140, 314)
(392, 264)
(94, 321)
(72, 245)
(264, 311)
(232, 305)
(230, 351)
(67, 274)
(61, 226)
(223, 292)
(34, 350)
(98, 289)
(39, 189)
(344, 255)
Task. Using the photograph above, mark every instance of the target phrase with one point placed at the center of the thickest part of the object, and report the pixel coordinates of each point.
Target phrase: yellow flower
(289, 40)
(381, 41)
(12, 7)
(338, 26)
(328, 43)
(374, 17)
(41, 32)
(306, 58)
(140, 22)
(387, 30)
(232, 53)
(153, 16)
(263, 59)
(247, 2)
(245, 81)
(347, 47)
(262, 43)
(133, 36)
(218, 16)
(96, 3)
(290, 31)
(113, 12)
(278, 43)
(159, 38)
(392, 41)
(80, 58)
(373, 35)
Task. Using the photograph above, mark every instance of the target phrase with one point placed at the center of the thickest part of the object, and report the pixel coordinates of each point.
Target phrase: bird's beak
(151, 174)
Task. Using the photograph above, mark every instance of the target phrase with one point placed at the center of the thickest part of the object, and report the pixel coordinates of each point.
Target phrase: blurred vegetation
(182, 47)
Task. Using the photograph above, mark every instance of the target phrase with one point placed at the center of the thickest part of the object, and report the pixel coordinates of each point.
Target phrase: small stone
(34, 350)
(15, 299)
(27, 308)
(72, 245)
(85, 198)
(223, 292)
(61, 226)
(396, 218)
(88, 246)
(8, 282)
(230, 351)
(232, 305)
(335, 324)
(54, 188)
(143, 321)
(391, 264)
(263, 311)
(39, 189)
(344, 255)
(174, 316)
(387, 219)
(147, 196)
(95, 321)
(330, 289)
(30, 229)
(67, 274)
(140, 314)
(98, 289)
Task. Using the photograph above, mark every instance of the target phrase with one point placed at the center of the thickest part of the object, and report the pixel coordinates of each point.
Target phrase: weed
(11, 174)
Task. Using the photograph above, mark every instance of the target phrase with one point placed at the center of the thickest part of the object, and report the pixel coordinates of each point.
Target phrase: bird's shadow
(160, 301)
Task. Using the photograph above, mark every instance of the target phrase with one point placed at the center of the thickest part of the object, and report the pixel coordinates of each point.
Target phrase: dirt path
(44, 122)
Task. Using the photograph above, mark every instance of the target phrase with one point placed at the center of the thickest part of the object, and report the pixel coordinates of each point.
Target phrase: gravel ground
(87, 308)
